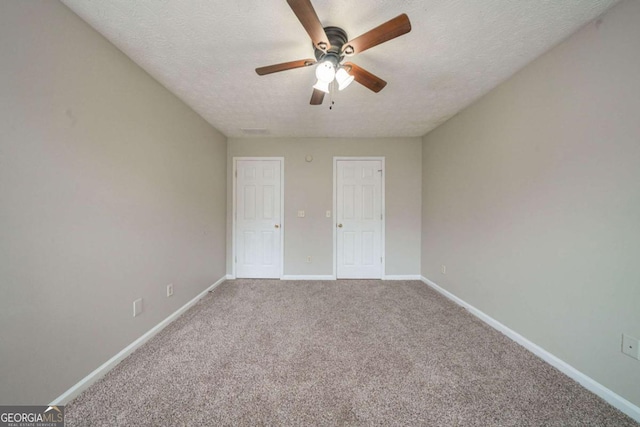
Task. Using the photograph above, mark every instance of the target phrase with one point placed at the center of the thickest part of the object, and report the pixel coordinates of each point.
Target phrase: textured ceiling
(206, 51)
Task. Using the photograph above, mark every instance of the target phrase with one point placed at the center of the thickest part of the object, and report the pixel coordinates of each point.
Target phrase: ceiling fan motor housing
(337, 38)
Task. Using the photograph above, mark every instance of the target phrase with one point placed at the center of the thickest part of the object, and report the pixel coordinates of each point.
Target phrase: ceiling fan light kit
(331, 46)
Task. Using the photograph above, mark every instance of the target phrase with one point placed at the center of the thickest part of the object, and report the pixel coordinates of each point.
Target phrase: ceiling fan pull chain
(331, 91)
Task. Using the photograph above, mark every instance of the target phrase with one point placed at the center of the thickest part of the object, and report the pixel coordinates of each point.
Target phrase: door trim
(383, 210)
(234, 210)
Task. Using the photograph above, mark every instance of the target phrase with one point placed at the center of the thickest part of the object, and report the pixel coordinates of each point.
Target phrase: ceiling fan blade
(309, 19)
(389, 30)
(317, 97)
(284, 66)
(365, 78)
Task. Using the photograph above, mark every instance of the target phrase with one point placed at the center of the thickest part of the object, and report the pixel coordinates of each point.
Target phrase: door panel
(258, 219)
(359, 218)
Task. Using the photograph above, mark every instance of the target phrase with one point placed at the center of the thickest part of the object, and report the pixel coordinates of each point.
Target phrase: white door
(359, 219)
(258, 219)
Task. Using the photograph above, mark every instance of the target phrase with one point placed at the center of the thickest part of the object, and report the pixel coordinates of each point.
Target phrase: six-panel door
(359, 219)
(258, 219)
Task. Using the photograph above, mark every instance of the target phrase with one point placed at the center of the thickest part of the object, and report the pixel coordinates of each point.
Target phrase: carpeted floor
(356, 352)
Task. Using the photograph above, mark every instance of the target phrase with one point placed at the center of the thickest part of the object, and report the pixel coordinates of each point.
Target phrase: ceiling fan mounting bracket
(337, 38)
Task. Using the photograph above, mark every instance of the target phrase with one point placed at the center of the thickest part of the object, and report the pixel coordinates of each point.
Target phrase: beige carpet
(357, 352)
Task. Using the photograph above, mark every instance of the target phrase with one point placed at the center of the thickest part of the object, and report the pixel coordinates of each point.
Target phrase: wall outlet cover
(170, 289)
(631, 346)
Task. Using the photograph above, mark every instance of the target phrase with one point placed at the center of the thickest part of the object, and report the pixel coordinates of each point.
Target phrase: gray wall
(110, 189)
(309, 187)
(531, 198)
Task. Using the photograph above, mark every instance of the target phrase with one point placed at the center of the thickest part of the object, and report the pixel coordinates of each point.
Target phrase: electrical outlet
(308, 260)
(170, 289)
(443, 268)
(631, 346)
(137, 307)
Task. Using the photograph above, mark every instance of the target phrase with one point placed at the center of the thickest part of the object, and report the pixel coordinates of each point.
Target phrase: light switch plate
(300, 214)
(328, 214)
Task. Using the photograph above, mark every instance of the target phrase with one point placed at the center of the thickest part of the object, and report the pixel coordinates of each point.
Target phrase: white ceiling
(206, 51)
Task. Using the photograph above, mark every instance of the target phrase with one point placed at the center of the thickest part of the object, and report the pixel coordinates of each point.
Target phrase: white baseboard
(101, 371)
(331, 277)
(587, 382)
(402, 277)
(230, 277)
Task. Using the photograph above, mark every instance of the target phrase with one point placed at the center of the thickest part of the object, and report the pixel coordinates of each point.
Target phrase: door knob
(277, 226)
(339, 225)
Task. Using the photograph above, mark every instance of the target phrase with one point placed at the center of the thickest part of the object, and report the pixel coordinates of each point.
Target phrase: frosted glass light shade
(325, 72)
(323, 86)
(343, 78)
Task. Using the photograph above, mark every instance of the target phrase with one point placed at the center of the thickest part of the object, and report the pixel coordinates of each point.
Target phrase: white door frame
(335, 204)
(234, 177)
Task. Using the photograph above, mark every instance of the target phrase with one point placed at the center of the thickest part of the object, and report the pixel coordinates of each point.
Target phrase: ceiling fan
(332, 46)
